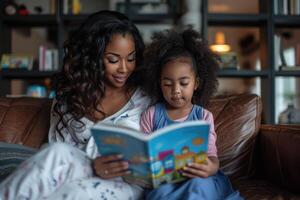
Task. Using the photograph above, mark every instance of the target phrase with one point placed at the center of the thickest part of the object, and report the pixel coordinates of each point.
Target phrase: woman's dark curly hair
(169, 45)
(79, 85)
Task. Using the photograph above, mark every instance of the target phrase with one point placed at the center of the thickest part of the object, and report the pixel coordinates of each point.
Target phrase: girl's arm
(211, 166)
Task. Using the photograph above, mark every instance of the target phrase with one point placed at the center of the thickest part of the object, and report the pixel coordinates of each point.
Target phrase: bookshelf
(57, 24)
(266, 21)
(262, 22)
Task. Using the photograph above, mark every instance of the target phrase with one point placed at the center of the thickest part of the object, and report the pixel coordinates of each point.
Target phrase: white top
(128, 116)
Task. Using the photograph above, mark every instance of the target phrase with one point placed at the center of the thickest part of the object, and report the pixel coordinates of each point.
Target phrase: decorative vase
(192, 17)
(290, 115)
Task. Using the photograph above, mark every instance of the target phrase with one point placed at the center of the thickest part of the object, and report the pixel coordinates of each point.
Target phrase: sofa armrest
(25, 120)
(280, 154)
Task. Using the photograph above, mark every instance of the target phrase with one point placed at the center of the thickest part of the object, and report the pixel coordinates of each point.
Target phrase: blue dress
(216, 187)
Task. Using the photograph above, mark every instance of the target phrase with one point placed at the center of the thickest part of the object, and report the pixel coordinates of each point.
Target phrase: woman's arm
(112, 166)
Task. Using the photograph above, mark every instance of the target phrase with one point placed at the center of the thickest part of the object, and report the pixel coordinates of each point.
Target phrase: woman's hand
(203, 170)
(112, 166)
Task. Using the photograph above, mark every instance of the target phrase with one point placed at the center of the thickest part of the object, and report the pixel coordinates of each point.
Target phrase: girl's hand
(203, 170)
(107, 167)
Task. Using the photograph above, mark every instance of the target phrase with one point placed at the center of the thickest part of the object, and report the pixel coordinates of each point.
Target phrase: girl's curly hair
(79, 85)
(168, 45)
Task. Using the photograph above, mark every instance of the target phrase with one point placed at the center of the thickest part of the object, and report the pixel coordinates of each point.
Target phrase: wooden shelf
(242, 73)
(74, 18)
(295, 73)
(30, 20)
(150, 18)
(237, 19)
(24, 74)
(140, 18)
(287, 21)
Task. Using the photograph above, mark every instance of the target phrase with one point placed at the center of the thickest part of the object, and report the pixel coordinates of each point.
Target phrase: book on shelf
(155, 158)
(48, 59)
(289, 68)
(294, 7)
(73, 7)
(287, 7)
(16, 61)
(52, 6)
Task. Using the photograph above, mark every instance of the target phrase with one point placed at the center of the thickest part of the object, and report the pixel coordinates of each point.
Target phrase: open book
(156, 158)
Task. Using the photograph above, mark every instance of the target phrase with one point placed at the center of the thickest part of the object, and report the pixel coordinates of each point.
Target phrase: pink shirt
(147, 121)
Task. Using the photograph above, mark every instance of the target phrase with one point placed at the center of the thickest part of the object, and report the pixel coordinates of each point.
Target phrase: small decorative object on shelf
(52, 94)
(36, 91)
(192, 16)
(23, 10)
(290, 115)
(10, 8)
(38, 9)
(144, 7)
(227, 58)
(290, 55)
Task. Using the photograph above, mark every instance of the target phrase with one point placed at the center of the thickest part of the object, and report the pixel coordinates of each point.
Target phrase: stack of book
(286, 7)
(48, 59)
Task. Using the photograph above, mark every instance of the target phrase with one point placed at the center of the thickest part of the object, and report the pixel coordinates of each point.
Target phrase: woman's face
(119, 60)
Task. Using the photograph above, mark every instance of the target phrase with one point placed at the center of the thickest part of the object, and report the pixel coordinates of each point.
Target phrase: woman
(98, 84)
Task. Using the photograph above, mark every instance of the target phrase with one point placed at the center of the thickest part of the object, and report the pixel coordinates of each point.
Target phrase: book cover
(156, 158)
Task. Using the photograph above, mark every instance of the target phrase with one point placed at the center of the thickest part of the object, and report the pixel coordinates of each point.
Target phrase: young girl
(99, 82)
(182, 77)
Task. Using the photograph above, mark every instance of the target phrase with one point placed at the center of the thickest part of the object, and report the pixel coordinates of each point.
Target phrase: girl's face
(119, 60)
(178, 82)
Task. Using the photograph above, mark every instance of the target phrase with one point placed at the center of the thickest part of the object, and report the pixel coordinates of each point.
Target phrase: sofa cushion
(237, 121)
(11, 156)
(24, 120)
(279, 155)
(261, 189)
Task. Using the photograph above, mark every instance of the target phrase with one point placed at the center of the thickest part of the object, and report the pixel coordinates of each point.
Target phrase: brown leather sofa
(263, 161)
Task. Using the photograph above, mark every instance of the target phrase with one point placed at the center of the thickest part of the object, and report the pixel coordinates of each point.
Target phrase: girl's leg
(213, 187)
(95, 188)
(46, 171)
